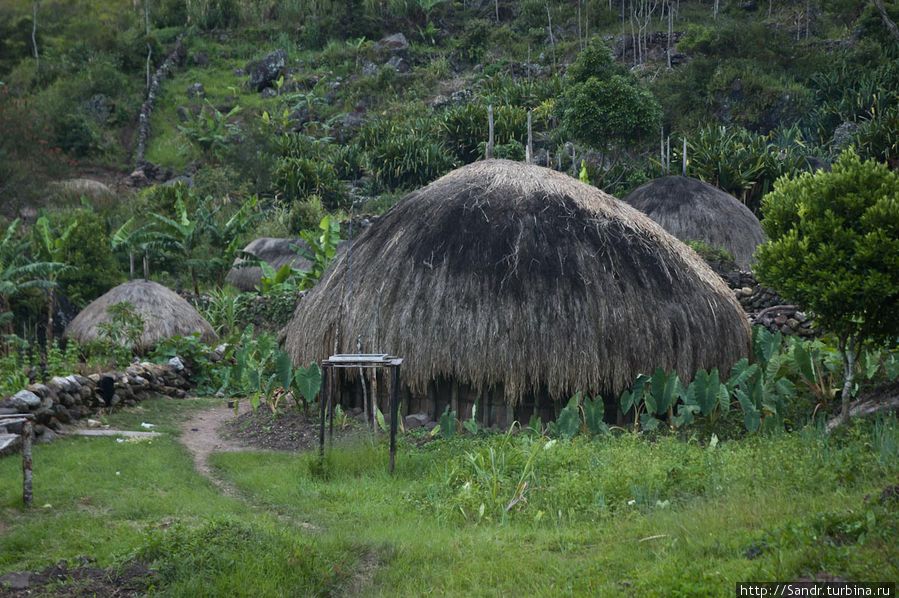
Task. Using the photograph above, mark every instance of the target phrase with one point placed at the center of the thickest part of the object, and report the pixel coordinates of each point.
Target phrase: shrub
(298, 178)
(834, 249)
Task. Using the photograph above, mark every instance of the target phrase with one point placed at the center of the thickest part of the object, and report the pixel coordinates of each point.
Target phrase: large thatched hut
(692, 210)
(276, 252)
(515, 286)
(164, 312)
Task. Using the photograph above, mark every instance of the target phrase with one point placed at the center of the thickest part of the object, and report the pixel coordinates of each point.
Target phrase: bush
(464, 129)
(834, 249)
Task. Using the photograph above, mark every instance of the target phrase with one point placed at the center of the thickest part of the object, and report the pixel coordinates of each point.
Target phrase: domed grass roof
(692, 210)
(165, 314)
(502, 273)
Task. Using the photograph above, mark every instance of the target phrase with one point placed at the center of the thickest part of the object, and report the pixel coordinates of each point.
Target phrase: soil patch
(288, 431)
(133, 579)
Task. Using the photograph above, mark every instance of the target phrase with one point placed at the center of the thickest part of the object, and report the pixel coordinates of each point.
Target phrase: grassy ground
(613, 516)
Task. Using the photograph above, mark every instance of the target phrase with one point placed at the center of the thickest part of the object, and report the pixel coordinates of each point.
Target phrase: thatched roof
(276, 252)
(165, 314)
(692, 210)
(505, 273)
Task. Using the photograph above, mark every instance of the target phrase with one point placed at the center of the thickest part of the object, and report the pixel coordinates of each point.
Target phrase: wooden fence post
(529, 152)
(27, 436)
(490, 129)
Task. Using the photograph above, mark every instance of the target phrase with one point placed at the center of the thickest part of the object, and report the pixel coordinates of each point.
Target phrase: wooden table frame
(352, 361)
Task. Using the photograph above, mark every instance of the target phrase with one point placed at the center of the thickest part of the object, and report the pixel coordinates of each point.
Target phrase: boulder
(396, 42)
(416, 420)
(262, 73)
(196, 91)
(25, 401)
(398, 64)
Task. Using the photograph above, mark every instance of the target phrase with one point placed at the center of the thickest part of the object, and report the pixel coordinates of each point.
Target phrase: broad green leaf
(308, 381)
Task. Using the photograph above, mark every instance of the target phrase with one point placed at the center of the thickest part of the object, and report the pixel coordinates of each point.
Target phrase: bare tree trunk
(147, 29)
(37, 58)
(847, 348)
(490, 132)
(496, 5)
(668, 41)
(529, 151)
(131, 264)
(715, 12)
(552, 37)
(51, 299)
(887, 21)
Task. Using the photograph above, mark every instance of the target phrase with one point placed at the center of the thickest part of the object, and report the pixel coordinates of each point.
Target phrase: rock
(99, 108)
(416, 420)
(749, 6)
(844, 135)
(47, 436)
(40, 390)
(196, 91)
(43, 415)
(239, 72)
(7, 411)
(25, 400)
(396, 42)
(93, 423)
(67, 384)
(793, 323)
(262, 73)
(66, 399)
(176, 364)
(183, 113)
(200, 59)
(268, 92)
(369, 69)
(62, 414)
(398, 64)
(8, 443)
(16, 581)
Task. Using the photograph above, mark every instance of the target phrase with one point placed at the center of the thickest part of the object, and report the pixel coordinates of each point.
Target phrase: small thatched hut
(276, 252)
(165, 314)
(692, 210)
(515, 286)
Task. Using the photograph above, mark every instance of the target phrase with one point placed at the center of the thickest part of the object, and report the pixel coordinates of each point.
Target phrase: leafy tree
(93, 269)
(834, 248)
(605, 106)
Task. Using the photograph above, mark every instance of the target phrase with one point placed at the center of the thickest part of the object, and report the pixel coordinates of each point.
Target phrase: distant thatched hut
(516, 286)
(276, 252)
(692, 210)
(165, 314)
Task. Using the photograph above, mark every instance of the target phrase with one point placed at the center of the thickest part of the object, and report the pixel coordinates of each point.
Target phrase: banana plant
(18, 272)
(53, 247)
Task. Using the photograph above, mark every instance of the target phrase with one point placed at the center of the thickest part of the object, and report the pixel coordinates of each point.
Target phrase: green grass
(613, 516)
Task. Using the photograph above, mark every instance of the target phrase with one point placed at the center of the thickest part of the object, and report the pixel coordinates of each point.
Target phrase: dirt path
(200, 434)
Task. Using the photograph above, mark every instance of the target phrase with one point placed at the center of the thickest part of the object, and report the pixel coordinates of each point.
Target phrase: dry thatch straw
(276, 252)
(692, 210)
(164, 312)
(502, 273)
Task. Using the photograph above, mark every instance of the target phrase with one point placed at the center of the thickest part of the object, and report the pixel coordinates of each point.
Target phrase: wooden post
(454, 397)
(684, 161)
(394, 413)
(529, 152)
(325, 393)
(27, 436)
(490, 132)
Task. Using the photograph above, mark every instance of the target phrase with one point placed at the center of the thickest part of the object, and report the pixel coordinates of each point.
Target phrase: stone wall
(764, 306)
(64, 400)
